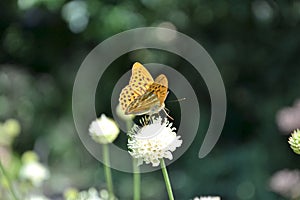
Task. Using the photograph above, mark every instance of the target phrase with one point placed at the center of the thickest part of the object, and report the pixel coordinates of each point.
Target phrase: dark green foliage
(255, 44)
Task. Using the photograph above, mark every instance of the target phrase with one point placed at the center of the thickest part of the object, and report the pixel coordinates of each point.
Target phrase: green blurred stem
(107, 170)
(167, 180)
(136, 171)
(136, 180)
(10, 186)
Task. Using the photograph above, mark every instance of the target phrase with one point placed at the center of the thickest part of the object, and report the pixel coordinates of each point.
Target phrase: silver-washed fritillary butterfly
(144, 95)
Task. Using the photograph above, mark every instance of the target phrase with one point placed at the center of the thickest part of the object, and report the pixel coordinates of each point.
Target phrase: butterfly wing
(140, 79)
(127, 96)
(162, 80)
(144, 104)
(160, 88)
(152, 101)
(139, 83)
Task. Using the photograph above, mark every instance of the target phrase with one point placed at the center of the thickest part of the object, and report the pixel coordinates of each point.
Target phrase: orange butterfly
(144, 95)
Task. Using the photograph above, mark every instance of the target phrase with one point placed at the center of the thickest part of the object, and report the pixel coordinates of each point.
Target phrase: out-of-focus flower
(122, 115)
(208, 198)
(90, 194)
(76, 13)
(154, 141)
(104, 130)
(288, 118)
(32, 170)
(71, 194)
(294, 141)
(287, 183)
(8, 131)
(36, 197)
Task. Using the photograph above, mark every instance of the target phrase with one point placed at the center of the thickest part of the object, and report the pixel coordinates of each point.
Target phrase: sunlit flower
(294, 141)
(36, 197)
(90, 194)
(208, 198)
(104, 130)
(32, 170)
(287, 183)
(122, 115)
(71, 194)
(154, 141)
(8, 131)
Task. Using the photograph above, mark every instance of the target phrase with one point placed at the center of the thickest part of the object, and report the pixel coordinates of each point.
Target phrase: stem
(167, 180)
(10, 186)
(136, 172)
(136, 180)
(107, 171)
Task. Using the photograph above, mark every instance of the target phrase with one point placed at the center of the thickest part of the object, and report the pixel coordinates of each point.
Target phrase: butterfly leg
(165, 111)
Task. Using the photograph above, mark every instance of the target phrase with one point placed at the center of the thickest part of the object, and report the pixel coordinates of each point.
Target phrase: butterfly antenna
(167, 114)
(178, 100)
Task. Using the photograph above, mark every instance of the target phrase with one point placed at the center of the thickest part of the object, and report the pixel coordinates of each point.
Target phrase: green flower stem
(167, 180)
(136, 172)
(10, 186)
(136, 180)
(107, 170)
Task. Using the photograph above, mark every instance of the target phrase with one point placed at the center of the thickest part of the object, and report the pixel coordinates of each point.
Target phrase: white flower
(35, 172)
(90, 194)
(286, 182)
(154, 141)
(36, 197)
(104, 130)
(208, 198)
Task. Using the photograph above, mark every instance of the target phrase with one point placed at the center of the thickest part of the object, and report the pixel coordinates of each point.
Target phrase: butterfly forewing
(140, 79)
(139, 82)
(127, 96)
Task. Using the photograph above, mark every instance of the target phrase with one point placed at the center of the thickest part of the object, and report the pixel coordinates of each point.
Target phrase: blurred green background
(255, 44)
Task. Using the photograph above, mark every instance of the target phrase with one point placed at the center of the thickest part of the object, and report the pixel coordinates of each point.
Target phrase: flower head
(104, 130)
(154, 141)
(294, 141)
(286, 182)
(8, 131)
(207, 198)
(36, 197)
(288, 118)
(32, 170)
(90, 194)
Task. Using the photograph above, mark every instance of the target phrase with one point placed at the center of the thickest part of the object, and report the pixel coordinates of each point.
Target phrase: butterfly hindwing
(144, 104)
(162, 80)
(160, 88)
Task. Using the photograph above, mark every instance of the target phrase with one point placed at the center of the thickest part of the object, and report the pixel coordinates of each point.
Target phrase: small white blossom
(104, 130)
(90, 194)
(287, 183)
(208, 198)
(154, 141)
(35, 172)
(36, 197)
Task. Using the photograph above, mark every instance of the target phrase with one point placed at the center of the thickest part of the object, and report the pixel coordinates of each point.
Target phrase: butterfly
(143, 95)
